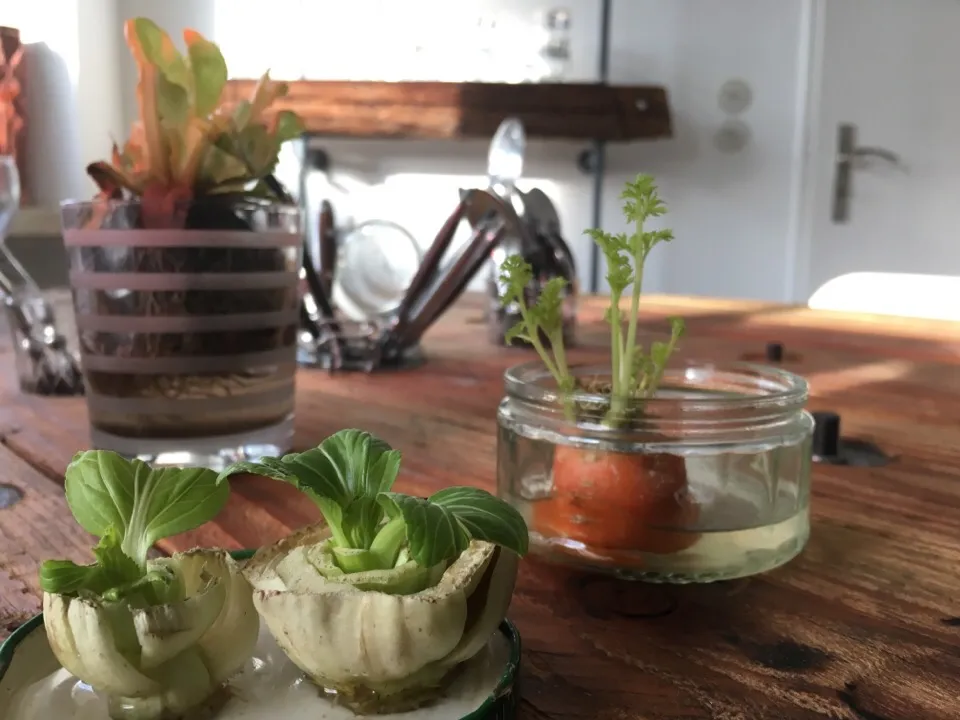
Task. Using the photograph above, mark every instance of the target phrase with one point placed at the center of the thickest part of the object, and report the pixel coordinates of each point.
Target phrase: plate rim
(503, 689)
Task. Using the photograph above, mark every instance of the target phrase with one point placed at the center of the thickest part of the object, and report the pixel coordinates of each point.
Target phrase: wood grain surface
(864, 625)
(449, 110)
(38, 525)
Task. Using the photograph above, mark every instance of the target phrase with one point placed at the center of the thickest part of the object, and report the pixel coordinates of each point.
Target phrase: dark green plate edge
(501, 705)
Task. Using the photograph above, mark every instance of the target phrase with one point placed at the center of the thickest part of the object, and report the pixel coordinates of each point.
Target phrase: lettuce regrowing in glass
(158, 637)
(385, 599)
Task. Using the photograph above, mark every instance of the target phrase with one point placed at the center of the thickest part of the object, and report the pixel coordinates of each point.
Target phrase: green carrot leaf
(659, 353)
(678, 328)
(517, 332)
(544, 317)
(515, 276)
(650, 240)
(615, 249)
(641, 200)
(547, 313)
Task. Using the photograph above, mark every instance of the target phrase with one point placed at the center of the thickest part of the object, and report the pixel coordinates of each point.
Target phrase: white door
(888, 70)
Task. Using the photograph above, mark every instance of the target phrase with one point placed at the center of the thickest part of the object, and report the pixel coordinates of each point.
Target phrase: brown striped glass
(187, 326)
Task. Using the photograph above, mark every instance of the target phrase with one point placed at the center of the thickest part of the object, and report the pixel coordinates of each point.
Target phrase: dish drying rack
(393, 342)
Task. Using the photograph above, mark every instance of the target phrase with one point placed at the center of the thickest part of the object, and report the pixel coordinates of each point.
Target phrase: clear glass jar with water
(708, 480)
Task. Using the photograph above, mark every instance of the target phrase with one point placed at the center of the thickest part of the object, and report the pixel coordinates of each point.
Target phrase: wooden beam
(442, 110)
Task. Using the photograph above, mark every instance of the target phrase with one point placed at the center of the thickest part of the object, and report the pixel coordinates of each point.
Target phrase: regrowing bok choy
(424, 581)
(158, 637)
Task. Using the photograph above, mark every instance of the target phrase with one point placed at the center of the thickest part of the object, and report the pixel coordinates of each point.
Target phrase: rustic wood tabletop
(864, 625)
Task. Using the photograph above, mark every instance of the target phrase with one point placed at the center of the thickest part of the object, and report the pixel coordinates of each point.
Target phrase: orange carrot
(618, 501)
(611, 502)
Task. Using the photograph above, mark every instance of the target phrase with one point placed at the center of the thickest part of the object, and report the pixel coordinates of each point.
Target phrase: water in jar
(750, 501)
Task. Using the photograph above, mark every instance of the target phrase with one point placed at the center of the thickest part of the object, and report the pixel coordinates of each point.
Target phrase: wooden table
(865, 625)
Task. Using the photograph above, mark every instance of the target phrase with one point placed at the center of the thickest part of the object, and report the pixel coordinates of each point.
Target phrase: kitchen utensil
(541, 211)
(539, 242)
(542, 214)
(44, 363)
(505, 157)
(328, 246)
(455, 281)
(392, 339)
(430, 265)
(490, 217)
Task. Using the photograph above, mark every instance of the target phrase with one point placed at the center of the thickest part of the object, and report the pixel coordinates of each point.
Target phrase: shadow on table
(595, 644)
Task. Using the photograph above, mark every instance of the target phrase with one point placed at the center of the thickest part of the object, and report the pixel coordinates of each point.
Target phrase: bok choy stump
(382, 603)
(157, 637)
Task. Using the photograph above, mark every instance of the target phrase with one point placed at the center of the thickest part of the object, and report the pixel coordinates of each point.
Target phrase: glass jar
(187, 326)
(708, 480)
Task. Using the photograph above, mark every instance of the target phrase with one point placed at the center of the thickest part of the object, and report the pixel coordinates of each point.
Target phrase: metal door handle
(866, 153)
(850, 158)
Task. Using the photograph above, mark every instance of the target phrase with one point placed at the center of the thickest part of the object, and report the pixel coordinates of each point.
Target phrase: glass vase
(187, 326)
(708, 480)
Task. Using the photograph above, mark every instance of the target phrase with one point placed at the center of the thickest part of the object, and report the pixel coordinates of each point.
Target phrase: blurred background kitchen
(811, 140)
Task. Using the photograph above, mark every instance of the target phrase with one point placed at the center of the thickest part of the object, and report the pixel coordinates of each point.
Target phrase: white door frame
(808, 140)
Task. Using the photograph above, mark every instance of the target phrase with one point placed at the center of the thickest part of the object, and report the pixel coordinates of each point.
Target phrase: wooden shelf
(442, 110)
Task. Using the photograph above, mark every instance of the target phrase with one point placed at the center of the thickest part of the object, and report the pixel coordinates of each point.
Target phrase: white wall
(731, 212)
(73, 102)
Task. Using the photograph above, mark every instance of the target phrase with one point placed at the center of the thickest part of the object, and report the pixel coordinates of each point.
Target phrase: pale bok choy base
(383, 602)
(157, 637)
